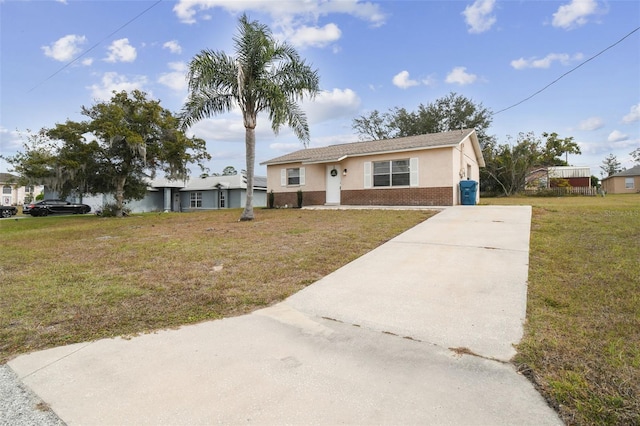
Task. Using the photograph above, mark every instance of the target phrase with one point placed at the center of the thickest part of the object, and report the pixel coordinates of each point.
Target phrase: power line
(68, 64)
(566, 73)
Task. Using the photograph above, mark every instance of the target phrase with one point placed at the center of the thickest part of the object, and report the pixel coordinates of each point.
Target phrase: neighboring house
(626, 182)
(210, 193)
(551, 177)
(422, 170)
(12, 194)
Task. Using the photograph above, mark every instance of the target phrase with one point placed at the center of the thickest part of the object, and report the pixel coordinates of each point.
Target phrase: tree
(229, 171)
(610, 165)
(125, 142)
(444, 114)
(508, 165)
(636, 155)
(264, 76)
(555, 147)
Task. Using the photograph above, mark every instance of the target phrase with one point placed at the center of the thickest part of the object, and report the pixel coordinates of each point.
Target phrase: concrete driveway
(418, 331)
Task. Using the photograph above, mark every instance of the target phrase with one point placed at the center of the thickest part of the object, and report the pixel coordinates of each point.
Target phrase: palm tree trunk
(250, 142)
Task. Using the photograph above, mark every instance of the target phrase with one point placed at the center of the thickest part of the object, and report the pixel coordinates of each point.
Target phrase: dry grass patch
(582, 338)
(77, 278)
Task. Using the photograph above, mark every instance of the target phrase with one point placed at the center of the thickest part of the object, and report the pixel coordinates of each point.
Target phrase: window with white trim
(391, 173)
(223, 200)
(628, 183)
(6, 190)
(195, 199)
(292, 176)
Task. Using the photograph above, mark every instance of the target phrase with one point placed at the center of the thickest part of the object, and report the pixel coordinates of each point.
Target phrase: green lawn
(77, 278)
(582, 337)
(66, 279)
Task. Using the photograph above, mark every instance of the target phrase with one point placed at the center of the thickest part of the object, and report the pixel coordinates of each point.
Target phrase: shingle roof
(342, 151)
(634, 171)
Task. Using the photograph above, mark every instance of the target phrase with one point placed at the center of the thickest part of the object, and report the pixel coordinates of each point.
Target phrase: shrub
(271, 199)
(299, 198)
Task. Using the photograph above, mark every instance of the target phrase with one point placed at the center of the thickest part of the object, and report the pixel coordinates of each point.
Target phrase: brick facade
(442, 196)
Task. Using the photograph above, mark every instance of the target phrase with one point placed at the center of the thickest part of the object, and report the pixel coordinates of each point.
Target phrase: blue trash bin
(468, 190)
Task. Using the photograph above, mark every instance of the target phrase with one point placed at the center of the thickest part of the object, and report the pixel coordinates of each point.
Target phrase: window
(293, 176)
(391, 173)
(628, 183)
(6, 190)
(195, 199)
(223, 200)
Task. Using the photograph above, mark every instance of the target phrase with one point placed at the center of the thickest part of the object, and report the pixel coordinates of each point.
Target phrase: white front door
(333, 185)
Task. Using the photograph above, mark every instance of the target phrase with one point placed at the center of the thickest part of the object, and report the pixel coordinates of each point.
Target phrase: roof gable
(339, 152)
(634, 171)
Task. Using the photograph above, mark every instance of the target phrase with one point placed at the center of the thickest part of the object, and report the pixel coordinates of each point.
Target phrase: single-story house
(625, 182)
(192, 194)
(13, 194)
(423, 170)
(550, 177)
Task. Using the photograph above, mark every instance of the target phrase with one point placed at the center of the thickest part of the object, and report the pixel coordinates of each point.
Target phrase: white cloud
(283, 10)
(459, 75)
(66, 48)
(546, 62)
(574, 14)
(617, 136)
(330, 105)
(591, 123)
(121, 51)
(634, 115)
(176, 79)
(314, 36)
(87, 61)
(112, 81)
(403, 81)
(478, 16)
(173, 46)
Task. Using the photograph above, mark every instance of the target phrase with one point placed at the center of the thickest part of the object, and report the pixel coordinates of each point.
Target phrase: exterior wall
(616, 185)
(574, 182)
(17, 194)
(439, 171)
(442, 196)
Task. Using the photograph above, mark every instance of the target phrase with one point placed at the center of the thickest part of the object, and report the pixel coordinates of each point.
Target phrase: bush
(271, 199)
(109, 210)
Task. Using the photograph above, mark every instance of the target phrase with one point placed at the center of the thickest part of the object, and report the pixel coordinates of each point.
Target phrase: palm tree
(263, 76)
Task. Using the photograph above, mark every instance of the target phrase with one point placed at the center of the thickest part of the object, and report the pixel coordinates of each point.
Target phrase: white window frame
(6, 190)
(629, 183)
(195, 199)
(285, 176)
(414, 177)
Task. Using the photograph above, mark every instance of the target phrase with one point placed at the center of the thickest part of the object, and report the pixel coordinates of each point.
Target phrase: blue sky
(56, 56)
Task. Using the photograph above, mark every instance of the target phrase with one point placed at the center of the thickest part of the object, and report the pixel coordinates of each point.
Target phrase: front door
(333, 185)
(176, 201)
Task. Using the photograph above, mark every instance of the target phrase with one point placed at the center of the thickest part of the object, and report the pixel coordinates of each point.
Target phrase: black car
(8, 211)
(47, 207)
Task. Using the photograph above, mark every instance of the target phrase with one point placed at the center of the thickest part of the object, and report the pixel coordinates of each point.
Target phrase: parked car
(8, 211)
(47, 207)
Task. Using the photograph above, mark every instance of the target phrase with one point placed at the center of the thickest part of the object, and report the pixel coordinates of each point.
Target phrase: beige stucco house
(626, 182)
(423, 170)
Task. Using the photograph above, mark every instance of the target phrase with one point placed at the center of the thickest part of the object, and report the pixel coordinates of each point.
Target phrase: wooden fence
(571, 190)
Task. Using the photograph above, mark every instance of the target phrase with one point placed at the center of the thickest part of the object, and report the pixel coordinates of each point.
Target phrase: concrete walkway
(417, 331)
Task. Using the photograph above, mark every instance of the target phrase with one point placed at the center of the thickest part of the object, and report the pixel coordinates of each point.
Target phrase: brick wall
(441, 196)
(309, 198)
